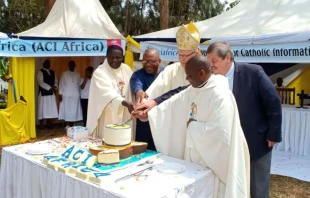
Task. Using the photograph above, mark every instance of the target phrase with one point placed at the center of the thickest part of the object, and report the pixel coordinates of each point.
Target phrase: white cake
(55, 163)
(48, 158)
(87, 159)
(108, 156)
(77, 132)
(98, 177)
(84, 173)
(73, 169)
(65, 168)
(115, 135)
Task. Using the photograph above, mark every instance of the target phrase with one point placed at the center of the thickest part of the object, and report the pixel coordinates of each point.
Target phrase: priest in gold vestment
(201, 125)
(110, 98)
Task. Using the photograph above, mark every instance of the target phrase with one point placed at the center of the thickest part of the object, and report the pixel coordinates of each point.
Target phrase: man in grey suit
(259, 108)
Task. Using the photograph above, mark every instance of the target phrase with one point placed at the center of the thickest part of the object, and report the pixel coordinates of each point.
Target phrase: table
(295, 131)
(25, 176)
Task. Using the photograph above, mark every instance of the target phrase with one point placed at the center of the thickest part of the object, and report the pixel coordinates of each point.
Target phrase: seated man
(201, 124)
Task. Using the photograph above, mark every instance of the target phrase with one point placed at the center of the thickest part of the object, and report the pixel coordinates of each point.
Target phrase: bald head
(151, 51)
(151, 61)
(199, 62)
(198, 70)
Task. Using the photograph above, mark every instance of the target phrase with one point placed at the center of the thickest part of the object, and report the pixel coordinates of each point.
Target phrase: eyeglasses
(184, 55)
(152, 62)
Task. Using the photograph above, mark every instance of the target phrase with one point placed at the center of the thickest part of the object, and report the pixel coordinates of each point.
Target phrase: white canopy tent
(266, 20)
(72, 22)
(262, 31)
(76, 19)
(3, 35)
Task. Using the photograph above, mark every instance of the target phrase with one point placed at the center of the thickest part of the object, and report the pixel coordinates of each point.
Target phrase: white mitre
(188, 38)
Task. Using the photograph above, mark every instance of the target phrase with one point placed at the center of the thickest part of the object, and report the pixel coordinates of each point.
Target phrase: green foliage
(4, 67)
(136, 17)
(131, 17)
(20, 15)
(3, 105)
(233, 4)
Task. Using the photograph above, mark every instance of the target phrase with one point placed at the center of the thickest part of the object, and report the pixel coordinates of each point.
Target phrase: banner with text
(273, 53)
(49, 48)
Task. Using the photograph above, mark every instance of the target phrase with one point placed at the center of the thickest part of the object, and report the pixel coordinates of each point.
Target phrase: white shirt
(230, 76)
(85, 91)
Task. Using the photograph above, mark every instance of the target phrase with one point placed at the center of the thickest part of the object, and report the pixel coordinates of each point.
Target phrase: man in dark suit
(259, 108)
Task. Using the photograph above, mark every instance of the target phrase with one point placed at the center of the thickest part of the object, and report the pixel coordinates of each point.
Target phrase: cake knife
(125, 122)
(132, 175)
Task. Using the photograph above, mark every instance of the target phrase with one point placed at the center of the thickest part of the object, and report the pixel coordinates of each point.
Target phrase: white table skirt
(21, 177)
(295, 131)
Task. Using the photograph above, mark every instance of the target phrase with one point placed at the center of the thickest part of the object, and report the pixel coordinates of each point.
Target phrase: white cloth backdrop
(23, 177)
(295, 131)
(291, 157)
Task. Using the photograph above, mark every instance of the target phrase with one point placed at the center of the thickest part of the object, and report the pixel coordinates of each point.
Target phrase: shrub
(3, 105)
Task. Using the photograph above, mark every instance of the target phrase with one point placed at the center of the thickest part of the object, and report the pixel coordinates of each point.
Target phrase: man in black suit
(259, 108)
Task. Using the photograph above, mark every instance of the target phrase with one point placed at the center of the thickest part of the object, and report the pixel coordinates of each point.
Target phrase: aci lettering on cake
(75, 161)
(75, 154)
(89, 165)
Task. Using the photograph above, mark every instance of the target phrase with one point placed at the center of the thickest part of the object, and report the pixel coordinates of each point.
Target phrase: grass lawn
(281, 187)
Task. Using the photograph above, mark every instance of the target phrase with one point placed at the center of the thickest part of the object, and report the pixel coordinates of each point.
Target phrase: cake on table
(92, 159)
(55, 163)
(117, 135)
(139, 147)
(118, 139)
(108, 156)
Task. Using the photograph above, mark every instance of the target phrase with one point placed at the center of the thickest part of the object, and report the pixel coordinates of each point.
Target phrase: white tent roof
(76, 19)
(251, 18)
(3, 35)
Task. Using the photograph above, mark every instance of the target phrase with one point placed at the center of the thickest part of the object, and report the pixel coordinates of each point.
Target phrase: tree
(20, 15)
(4, 67)
(233, 4)
(164, 14)
(131, 17)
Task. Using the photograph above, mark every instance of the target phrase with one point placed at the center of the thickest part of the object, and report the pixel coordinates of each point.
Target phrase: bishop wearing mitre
(201, 125)
(174, 75)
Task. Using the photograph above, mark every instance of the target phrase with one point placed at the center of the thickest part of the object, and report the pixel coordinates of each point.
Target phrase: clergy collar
(203, 84)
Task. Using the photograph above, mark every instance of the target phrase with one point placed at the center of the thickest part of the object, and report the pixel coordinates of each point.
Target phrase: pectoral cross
(193, 113)
(121, 86)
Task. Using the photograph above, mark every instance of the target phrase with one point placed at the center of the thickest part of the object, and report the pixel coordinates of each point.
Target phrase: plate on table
(170, 168)
(38, 149)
